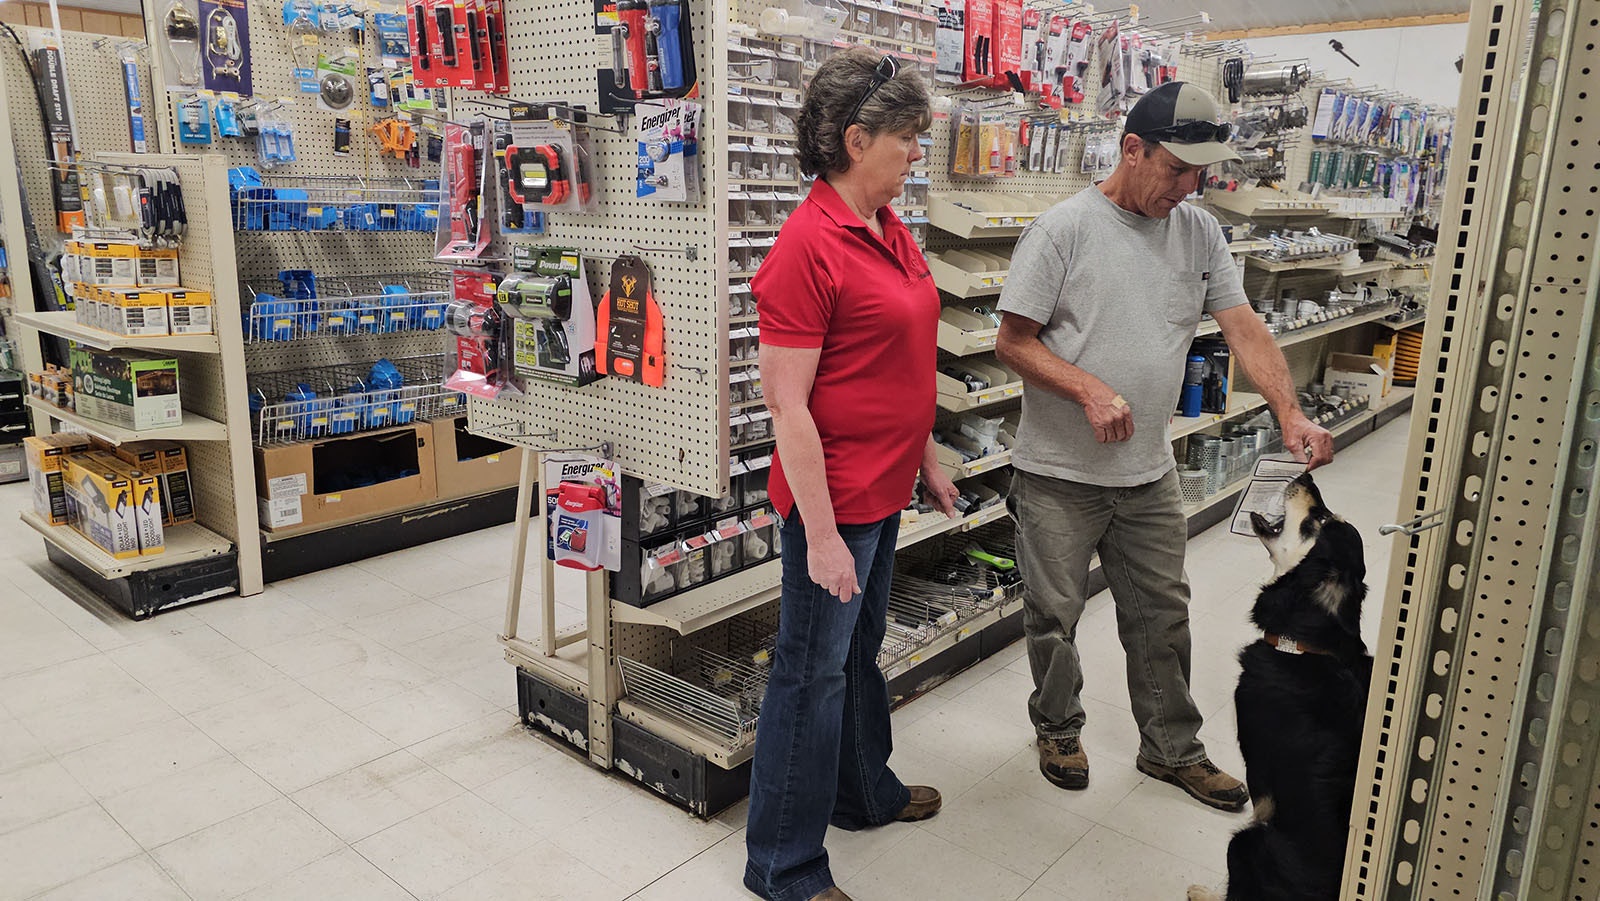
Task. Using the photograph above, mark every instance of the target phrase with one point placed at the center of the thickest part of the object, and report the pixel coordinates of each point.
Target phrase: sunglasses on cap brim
(1193, 133)
(886, 70)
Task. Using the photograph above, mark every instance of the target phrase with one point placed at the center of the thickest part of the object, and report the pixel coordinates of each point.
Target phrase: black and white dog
(1301, 705)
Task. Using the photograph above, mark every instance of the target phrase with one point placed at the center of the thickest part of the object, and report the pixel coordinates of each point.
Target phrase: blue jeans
(822, 743)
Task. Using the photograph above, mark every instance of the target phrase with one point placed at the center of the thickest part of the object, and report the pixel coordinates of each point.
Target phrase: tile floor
(352, 735)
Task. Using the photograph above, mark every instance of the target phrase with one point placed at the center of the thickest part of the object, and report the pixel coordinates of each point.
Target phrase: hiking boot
(1064, 763)
(924, 803)
(1202, 780)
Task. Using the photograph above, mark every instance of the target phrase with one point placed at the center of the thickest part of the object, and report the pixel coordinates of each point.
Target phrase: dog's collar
(1292, 646)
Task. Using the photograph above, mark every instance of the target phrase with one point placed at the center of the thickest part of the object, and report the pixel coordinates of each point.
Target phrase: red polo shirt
(870, 304)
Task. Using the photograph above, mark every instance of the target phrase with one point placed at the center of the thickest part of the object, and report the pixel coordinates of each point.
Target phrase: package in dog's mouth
(1264, 494)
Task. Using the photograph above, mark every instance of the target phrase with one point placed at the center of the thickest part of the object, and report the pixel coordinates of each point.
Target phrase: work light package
(547, 305)
(549, 161)
(669, 145)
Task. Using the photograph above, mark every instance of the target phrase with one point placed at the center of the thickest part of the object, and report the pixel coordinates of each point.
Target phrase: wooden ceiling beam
(1357, 25)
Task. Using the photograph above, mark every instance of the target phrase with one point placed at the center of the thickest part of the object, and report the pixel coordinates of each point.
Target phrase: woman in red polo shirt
(849, 316)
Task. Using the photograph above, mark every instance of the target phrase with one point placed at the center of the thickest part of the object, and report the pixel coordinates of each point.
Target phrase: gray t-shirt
(1119, 296)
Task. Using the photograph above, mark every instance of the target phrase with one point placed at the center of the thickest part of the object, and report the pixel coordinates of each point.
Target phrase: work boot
(924, 803)
(1202, 780)
(1064, 763)
(830, 894)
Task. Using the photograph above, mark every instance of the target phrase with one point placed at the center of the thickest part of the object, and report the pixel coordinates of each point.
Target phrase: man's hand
(831, 566)
(1310, 443)
(941, 492)
(1108, 413)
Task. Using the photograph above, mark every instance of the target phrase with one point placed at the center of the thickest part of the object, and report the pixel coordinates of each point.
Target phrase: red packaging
(980, 41)
(443, 50)
(483, 74)
(494, 14)
(1008, 46)
(476, 355)
(421, 42)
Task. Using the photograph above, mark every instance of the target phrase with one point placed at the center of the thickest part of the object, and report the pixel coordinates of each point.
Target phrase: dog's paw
(1201, 893)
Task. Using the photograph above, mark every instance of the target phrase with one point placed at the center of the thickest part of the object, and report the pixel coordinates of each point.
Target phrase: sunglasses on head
(887, 68)
(1199, 132)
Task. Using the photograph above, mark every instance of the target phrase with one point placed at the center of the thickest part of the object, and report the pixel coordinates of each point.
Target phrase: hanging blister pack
(515, 216)
(461, 234)
(228, 125)
(394, 42)
(583, 506)
(179, 28)
(128, 57)
(669, 151)
(305, 42)
(225, 46)
(194, 121)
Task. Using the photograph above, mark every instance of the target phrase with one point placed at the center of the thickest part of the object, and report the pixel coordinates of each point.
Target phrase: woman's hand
(832, 566)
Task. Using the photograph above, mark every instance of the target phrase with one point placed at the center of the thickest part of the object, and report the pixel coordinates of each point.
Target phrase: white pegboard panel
(676, 434)
(100, 113)
(1448, 812)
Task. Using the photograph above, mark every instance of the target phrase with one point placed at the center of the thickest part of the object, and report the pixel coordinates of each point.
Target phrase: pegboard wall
(1467, 782)
(676, 434)
(100, 112)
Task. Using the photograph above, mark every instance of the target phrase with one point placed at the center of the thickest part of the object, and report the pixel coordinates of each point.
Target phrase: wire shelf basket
(715, 691)
(309, 203)
(342, 307)
(932, 598)
(333, 401)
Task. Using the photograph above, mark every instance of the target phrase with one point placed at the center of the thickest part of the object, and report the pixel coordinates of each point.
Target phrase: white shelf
(962, 283)
(1264, 203)
(1401, 326)
(711, 603)
(963, 343)
(1395, 397)
(1249, 245)
(964, 223)
(194, 428)
(973, 399)
(65, 324)
(1239, 404)
(1339, 324)
(184, 544)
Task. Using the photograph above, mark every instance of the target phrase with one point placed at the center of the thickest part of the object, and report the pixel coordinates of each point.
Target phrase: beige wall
(73, 19)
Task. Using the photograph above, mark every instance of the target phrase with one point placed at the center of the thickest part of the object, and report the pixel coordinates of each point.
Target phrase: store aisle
(352, 735)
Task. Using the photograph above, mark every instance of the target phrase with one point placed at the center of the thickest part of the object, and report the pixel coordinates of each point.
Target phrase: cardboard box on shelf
(100, 506)
(131, 390)
(145, 499)
(158, 267)
(136, 312)
(170, 463)
(1361, 373)
(468, 464)
(46, 457)
(189, 311)
(336, 480)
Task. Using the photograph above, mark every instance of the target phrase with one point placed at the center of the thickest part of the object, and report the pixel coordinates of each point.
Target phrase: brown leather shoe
(1202, 780)
(1064, 762)
(924, 803)
(830, 894)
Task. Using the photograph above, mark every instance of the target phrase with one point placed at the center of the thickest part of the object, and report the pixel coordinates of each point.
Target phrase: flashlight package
(669, 147)
(583, 503)
(646, 51)
(465, 168)
(481, 335)
(547, 306)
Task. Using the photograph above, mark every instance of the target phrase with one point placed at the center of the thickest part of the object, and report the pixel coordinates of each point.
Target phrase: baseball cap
(1187, 122)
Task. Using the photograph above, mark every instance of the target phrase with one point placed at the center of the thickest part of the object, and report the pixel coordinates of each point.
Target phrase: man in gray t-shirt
(1100, 305)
